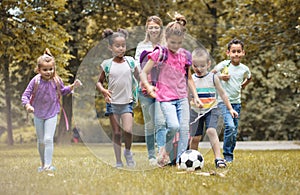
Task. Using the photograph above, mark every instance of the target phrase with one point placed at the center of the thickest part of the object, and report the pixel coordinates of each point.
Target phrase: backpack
(135, 86)
(163, 56)
(57, 81)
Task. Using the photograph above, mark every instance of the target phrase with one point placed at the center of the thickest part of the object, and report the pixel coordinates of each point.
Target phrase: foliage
(72, 29)
(80, 172)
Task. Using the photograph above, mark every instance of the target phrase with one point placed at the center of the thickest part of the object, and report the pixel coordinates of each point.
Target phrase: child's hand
(151, 91)
(198, 102)
(29, 108)
(225, 77)
(77, 83)
(233, 113)
(107, 95)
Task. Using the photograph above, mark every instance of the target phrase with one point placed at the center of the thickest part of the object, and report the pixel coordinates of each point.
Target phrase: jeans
(230, 131)
(177, 116)
(154, 124)
(45, 130)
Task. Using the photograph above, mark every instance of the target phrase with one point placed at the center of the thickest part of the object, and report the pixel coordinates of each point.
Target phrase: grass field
(80, 170)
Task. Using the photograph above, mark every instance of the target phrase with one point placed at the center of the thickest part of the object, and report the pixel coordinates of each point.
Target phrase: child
(206, 85)
(232, 80)
(155, 125)
(42, 98)
(118, 96)
(171, 88)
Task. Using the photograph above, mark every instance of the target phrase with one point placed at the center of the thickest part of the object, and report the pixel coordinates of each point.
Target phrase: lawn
(84, 170)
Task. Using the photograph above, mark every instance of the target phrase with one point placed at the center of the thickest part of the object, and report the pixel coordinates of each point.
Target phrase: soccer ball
(191, 160)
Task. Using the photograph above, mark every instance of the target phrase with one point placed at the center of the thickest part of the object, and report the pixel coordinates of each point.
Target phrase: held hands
(29, 108)
(233, 113)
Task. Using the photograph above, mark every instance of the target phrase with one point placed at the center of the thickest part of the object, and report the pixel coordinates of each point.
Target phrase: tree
(26, 30)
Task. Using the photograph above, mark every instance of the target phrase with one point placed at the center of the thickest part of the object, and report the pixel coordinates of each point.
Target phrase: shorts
(118, 109)
(210, 120)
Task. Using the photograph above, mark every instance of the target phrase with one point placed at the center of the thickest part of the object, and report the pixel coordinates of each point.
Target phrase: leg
(160, 126)
(196, 130)
(39, 127)
(194, 142)
(127, 122)
(228, 133)
(183, 115)
(50, 126)
(116, 136)
(148, 107)
(237, 108)
(170, 114)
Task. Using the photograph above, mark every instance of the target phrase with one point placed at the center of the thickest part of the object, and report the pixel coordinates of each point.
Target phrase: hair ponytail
(177, 27)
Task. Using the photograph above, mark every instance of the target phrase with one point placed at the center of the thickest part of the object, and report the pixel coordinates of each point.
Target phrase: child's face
(118, 48)
(235, 53)
(153, 30)
(174, 42)
(200, 65)
(46, 70)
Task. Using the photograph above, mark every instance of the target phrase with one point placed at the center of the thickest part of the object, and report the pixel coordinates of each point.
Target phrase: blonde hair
(200, 53)
(177, 26)
(47, 57)
(157, 20)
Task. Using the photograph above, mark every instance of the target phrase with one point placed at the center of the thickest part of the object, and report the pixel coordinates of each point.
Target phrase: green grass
(81, 170)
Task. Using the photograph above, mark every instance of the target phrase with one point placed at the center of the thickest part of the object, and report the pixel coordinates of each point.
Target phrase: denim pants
(230, 130)
(177, 116)
(45, 130)
(154, 124)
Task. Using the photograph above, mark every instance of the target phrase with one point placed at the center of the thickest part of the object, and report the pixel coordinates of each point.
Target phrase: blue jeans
(231, 129)
(177, 116)
(45, 130)
(154, 124)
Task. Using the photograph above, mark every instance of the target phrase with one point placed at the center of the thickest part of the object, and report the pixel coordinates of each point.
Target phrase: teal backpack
(135, 85)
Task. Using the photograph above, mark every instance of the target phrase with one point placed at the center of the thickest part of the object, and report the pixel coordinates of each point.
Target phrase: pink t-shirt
(172, 79)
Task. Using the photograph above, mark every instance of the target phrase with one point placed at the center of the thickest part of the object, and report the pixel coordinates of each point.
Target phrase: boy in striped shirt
(206, 117)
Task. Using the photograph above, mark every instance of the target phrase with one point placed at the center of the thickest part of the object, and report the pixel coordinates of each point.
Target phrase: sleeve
(248, 72)
(64, 89)
(28, 92)
(154, 56)
(188, 58)
(221, 65)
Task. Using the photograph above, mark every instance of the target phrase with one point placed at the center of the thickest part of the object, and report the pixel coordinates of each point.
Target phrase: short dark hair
(235, 41)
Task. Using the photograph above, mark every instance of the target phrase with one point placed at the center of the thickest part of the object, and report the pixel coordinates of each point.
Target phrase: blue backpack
(135, 86)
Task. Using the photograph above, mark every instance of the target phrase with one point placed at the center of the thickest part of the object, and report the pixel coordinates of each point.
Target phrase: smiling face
(118, 47)
(235, 53)
(153, 30)
(174, 42)
(46, 69)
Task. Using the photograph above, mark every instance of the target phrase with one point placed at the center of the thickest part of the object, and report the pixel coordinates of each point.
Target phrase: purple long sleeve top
(45, 103)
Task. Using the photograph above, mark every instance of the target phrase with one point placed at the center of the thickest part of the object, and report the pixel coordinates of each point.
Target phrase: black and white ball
(191, 160)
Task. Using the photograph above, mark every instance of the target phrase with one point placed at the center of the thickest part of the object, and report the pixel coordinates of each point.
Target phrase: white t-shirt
(120, 82)
(233, 85)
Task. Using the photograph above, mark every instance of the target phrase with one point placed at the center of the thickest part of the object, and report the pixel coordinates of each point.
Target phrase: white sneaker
(152, 162)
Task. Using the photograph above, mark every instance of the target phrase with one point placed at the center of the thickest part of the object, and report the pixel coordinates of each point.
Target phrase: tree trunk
(10, 140)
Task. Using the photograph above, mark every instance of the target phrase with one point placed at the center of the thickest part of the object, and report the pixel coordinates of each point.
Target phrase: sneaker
(50, 168)
(129, 158)
(119, 165)
(153, 162)
(40, 169)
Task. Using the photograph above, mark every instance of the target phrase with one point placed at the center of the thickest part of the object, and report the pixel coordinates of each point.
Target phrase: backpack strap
(35, 87)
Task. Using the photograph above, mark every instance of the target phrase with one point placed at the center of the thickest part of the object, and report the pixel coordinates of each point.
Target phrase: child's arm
(192, 87)
(246, 82)
(136, 73)
(99, 85)
(224, 97)
(143, 76)
(76, 83)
